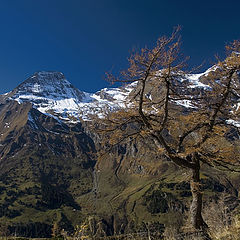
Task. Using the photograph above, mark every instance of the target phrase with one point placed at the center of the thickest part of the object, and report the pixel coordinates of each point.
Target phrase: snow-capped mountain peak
(48, 84)
(49, 92)
(52, 94)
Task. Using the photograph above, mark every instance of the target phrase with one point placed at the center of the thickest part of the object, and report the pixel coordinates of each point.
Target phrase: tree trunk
(196, 206)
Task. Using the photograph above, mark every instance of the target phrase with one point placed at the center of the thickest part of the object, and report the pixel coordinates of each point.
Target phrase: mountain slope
(47, 163)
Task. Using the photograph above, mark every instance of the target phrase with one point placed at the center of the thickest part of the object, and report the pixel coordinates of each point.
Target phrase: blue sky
(85, 38)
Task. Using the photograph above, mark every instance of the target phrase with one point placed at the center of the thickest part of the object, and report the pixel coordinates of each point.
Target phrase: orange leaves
(116, 136)
(220, 149)
(220, 131)
(233, 47)
(147, 61)
(181, 120)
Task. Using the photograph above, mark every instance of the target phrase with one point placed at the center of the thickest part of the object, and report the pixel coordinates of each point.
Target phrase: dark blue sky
(85, 38)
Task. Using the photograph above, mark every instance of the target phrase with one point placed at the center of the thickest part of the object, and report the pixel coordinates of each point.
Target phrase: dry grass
(231, 232)
(222, 219)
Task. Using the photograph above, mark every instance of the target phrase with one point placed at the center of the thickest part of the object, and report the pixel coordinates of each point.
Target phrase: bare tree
(188, 127)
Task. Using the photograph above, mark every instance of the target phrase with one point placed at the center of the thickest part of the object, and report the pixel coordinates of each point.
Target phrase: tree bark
(196, 206)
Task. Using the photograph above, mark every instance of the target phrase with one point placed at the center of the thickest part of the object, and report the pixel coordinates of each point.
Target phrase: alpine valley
(51, 171)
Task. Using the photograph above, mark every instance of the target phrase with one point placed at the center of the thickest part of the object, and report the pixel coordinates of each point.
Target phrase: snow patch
(185, 103)
(32, 121)
(234, 122)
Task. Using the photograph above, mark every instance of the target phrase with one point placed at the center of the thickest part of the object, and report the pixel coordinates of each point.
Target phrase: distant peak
(45, 78)
(48, 90)
(45, 82)
(46, 73)
(53, 75)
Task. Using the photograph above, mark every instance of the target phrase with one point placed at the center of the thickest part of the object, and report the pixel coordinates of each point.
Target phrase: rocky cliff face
(50, 173)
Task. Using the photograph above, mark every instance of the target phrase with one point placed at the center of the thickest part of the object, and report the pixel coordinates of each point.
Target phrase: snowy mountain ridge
(51, 93)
